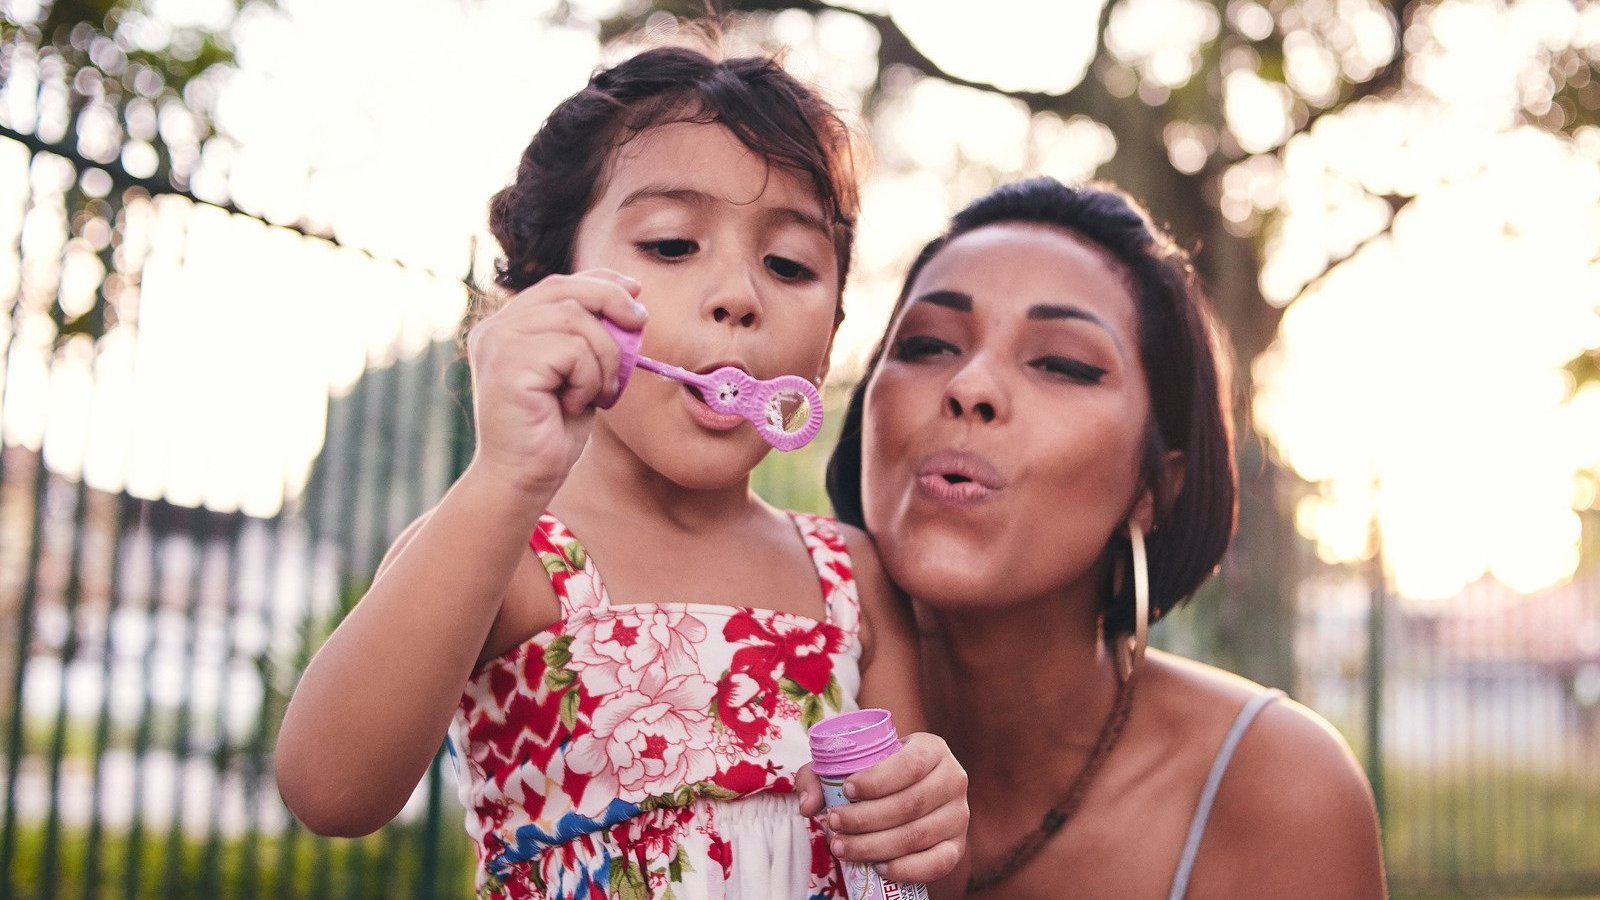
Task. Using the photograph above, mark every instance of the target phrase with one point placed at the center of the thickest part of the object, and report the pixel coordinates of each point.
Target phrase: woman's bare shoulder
(1293, 797)
(1290, 749)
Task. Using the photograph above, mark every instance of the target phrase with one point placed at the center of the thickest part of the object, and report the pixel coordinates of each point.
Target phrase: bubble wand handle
(730, 389)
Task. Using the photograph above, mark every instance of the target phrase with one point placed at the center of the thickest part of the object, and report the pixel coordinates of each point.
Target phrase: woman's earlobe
(1173, 468)
(1144, 511)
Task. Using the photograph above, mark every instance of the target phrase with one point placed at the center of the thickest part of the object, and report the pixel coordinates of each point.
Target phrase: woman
(1041, 450)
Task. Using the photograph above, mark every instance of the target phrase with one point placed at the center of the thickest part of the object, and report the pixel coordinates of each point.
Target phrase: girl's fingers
(584, 379)
(905, 842)
(600, 291)
(531, 337)
(623, 309)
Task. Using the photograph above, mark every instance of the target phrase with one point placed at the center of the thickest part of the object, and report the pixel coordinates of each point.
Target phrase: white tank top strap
(835, 571)
(1208, 794)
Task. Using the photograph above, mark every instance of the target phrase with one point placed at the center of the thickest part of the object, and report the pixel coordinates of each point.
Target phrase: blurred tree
(116, 88)
(1186, 144)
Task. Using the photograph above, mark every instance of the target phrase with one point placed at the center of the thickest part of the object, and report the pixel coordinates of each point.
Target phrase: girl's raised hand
(907, 815)
(538, 365)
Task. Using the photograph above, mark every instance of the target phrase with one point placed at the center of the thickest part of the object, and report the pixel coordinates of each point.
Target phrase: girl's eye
(788, 269)
(919, 346)
(1070, 369)
(672, 248)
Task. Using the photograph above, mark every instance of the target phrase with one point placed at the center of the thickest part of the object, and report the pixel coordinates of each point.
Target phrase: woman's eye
(918, 346)
(672, 248)
(788, 269)
(1068, 368)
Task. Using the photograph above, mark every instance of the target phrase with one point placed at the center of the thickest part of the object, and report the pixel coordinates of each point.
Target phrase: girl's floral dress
(649, 750)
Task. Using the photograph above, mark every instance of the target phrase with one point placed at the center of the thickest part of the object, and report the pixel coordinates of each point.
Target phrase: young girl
(625, 643)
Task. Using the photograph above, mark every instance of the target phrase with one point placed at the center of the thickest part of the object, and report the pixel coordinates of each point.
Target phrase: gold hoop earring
(1130, 648)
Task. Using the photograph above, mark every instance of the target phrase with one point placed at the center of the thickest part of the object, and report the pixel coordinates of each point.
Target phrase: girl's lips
(705, 416)
(958, 477)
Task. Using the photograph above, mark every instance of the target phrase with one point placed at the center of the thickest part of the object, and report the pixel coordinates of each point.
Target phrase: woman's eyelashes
(917, 347)
(1068, 368)
(921, 346)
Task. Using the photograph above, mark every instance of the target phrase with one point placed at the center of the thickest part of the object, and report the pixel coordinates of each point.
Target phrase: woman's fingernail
(882, 870)
(838, 847)
(833, 821)
(850, 791)
(638, 308)
(611, 386)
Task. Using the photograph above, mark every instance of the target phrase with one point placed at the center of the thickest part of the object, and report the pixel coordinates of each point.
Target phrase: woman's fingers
(924, 775)
(908, 812)
(910, 852)
(926, 866)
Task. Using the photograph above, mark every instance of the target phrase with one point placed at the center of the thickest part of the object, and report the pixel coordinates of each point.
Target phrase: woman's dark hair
(562, 171)
(1180, 348)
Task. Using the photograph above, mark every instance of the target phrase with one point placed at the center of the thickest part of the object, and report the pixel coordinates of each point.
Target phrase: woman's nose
(974, 392)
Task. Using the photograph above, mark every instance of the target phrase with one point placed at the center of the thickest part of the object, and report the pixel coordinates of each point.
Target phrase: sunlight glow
(1161, 38)
(1051, 54)
(1429, 365)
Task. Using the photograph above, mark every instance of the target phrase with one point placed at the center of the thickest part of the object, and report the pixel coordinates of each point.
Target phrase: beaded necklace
(1029, 845)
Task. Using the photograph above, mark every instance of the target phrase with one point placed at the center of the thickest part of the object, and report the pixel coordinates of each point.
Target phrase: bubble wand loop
(774, 405)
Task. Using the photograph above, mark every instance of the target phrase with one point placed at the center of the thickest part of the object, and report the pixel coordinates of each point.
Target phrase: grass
(1522, 834)
(295, 865)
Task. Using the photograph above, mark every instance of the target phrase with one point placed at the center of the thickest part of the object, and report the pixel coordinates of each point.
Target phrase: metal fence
(148, 644)
(149, 639)
(1487, 727)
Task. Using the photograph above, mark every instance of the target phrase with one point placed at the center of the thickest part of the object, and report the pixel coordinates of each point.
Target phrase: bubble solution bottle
(842, 745)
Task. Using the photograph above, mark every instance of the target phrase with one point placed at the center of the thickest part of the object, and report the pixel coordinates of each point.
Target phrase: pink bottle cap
(852, 741)
(628, 342)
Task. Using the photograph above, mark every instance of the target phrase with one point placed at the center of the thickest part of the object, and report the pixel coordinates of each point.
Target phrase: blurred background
(239, 237)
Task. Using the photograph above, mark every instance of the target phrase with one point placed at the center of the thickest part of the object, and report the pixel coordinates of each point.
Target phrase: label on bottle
(861, 882)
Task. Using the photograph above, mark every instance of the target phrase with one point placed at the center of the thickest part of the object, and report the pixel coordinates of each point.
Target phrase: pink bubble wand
(786, 411)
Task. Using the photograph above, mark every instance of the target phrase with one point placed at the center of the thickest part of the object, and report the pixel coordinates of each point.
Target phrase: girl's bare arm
(374, 704)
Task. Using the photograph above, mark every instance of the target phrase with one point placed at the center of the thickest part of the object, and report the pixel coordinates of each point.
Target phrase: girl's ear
(1144, 512)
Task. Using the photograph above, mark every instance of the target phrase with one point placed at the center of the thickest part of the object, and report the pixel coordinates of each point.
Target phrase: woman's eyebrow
(1048, 311)
(1064, 311)
(948, 299)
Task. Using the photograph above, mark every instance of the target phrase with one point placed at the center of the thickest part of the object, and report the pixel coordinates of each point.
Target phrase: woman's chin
(957, 573)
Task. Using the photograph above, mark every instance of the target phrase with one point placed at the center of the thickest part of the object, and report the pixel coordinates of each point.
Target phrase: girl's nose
(734, 300)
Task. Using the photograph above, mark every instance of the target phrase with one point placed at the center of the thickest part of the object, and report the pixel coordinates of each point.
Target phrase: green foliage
(384, 866)
(794, 480)
(1471, 833)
